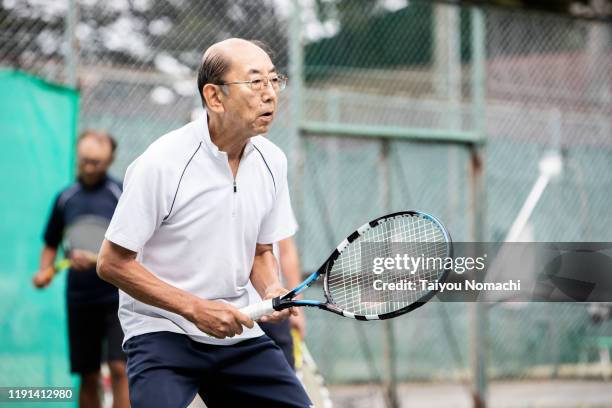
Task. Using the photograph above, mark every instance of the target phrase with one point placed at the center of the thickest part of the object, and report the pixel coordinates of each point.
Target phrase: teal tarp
(38, 130)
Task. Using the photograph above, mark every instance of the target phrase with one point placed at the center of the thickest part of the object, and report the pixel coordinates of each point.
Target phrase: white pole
(550, 166)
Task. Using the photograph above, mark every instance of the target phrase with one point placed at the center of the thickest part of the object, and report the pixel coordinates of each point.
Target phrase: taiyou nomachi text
(466, 285)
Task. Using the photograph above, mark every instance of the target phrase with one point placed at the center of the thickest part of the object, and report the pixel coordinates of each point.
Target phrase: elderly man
(93, 327)
(193, 230)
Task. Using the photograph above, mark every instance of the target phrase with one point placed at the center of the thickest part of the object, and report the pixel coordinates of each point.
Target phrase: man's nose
(268, 93)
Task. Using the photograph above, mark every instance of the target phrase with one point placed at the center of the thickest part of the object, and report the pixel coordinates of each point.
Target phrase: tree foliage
(134, 32)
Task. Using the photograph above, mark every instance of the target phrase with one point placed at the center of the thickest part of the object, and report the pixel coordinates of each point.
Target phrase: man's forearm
(264, 275)
(289, 262)
(47, 257)
(129, 275)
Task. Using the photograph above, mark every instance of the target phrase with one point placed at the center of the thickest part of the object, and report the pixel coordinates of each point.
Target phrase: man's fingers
(244, 320)
(298, 323)
(89, 256)
(218, 335)
(38, 282)
(230, 325)
(275, 316)
(236, 327)
(75, 255)
(76, 262)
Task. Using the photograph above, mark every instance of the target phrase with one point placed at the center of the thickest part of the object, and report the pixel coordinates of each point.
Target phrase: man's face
(246, 109)
(94, 156)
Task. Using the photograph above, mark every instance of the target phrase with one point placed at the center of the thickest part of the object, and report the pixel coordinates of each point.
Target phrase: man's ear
(213, 96)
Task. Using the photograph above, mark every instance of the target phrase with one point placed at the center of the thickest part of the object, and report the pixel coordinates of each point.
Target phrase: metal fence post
(296, 146)
(478, 326)
(72, 46)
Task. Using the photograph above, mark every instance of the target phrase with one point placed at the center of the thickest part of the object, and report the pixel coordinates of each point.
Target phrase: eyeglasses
(84, 161)
(279, 82)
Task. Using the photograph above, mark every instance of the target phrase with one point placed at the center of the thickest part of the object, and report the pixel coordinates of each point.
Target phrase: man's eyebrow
(256, 71)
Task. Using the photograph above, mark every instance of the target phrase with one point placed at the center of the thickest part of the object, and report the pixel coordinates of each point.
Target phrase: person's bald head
(219, 58)
(235, 45)
(95, 153)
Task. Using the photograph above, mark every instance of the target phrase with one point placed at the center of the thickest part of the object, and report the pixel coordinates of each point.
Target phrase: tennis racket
(85, 234)
(348, 284)
(308, 373)
(50, 271)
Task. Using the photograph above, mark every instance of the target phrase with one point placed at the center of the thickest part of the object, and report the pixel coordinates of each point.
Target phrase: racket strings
(352, 285)
(86, 233)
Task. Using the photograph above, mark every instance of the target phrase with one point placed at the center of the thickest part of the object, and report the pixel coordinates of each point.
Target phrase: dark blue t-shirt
(84, 287)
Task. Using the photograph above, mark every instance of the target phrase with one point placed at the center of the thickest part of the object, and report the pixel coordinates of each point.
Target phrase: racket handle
(256, 310)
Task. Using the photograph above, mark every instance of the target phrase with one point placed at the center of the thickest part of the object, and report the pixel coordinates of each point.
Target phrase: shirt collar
(98, 185)
(204, 134)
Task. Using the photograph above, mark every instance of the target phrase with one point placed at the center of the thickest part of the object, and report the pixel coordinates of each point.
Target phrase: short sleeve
(55, 225)
(141, 207)
(280, 222)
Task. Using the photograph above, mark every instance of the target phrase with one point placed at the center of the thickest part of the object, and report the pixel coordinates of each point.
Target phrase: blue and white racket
(348, 284)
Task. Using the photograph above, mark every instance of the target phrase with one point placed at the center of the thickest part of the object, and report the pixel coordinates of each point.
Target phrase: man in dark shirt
(92, 303)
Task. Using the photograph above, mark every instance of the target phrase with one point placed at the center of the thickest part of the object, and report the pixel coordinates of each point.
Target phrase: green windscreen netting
(38, 130)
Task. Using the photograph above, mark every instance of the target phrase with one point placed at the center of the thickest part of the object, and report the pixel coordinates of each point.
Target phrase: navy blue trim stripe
(181, 179)
(114, 189)
(68, 194)
(266, 163)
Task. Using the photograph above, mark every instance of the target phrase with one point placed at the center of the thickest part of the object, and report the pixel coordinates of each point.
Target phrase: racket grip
(256, 310)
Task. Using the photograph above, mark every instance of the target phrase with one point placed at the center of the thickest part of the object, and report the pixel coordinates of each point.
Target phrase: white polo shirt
(195, 227)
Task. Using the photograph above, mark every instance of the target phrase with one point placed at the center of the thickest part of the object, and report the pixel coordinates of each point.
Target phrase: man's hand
(43, 277)
(82, 260)
(298, 322)
(272, 292)
(219, 319)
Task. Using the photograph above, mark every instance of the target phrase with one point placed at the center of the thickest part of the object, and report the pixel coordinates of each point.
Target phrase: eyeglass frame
(84, 161)
(266, 81)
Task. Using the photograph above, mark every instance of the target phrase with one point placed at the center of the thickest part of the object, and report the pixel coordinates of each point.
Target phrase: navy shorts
(280, 333)
(94, 335)
(168, 369)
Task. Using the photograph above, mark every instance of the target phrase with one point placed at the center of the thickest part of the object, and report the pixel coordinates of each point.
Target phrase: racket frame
(287, 300)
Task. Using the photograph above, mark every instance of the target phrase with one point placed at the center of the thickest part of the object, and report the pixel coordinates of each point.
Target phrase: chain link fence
(33, 38)
(137, 60)
(388, 104)
(548, 89)
(548, 92)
